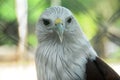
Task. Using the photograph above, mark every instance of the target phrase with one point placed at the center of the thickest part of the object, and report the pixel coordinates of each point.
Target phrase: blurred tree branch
(21, 11)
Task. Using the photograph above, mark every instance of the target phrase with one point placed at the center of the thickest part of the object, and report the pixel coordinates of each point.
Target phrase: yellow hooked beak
(59, 28)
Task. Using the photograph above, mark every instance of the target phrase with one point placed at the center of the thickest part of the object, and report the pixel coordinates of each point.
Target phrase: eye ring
(46, 22)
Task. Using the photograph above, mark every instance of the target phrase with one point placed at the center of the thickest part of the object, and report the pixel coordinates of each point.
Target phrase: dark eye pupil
(69, 20)
(46, 22)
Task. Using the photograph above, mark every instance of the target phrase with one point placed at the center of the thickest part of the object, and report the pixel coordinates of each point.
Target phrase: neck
(61, 61)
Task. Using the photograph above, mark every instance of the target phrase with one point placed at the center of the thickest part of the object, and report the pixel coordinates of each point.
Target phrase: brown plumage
(99, 70)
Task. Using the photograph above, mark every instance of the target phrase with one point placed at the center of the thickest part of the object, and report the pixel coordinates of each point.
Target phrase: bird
(63, 51)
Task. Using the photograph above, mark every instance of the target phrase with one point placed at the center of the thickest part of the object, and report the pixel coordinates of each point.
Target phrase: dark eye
(46, 22)
(69, 20)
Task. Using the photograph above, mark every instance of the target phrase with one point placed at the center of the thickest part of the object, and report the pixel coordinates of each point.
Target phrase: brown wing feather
(99, 70)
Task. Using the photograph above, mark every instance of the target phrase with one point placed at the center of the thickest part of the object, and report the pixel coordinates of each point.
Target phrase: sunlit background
(99, 19)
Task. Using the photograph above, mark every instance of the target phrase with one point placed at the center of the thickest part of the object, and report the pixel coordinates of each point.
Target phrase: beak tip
(61, 39)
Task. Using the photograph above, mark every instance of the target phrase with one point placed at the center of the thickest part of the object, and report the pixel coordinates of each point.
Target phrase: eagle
(63, 51)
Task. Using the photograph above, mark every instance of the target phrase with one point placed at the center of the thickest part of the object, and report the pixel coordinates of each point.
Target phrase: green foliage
(90, 14)
(116, 54)
(7, 10)
(74, 5)
(78, 6)
(87, 24)
(32, 40)
(114, 57)
(35, 8)
(117, 23)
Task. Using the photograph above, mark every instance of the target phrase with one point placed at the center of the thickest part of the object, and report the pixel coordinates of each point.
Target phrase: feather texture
(66, 60)
(99, 70)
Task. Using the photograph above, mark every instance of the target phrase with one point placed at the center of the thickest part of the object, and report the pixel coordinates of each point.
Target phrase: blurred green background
(99, 19)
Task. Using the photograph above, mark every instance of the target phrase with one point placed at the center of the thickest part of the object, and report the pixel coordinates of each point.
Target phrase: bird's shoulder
(98, 70)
